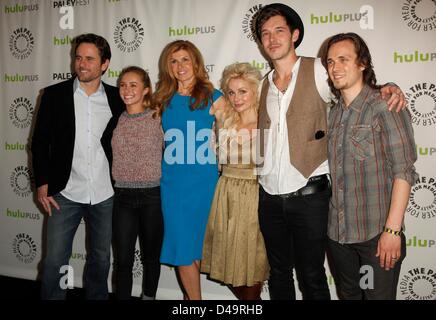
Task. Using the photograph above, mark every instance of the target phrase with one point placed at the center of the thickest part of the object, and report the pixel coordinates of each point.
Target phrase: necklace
(282, 87)
(280, 109)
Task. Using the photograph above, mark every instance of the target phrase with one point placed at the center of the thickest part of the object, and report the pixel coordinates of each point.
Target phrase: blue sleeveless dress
(189, 176)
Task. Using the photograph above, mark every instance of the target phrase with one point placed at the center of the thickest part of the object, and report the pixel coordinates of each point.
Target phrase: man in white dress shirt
(71, 160)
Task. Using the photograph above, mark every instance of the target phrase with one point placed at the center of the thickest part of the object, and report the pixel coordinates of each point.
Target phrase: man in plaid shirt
(371, 157)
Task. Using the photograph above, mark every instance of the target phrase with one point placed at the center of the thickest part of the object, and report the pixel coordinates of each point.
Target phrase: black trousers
(358, 274)
(137, 212)
(295, 234)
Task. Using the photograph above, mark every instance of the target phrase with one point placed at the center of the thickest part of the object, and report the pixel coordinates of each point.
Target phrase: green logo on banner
(425, 151)
(20, 77)
(190, 31)
(20, 8)
(113, 73)
(62, 41)
(18, 214)
(414, 57)
(421, 243)
(15, 146)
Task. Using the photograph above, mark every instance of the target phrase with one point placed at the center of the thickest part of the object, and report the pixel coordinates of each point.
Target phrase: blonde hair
(243, 71)
(167, 85)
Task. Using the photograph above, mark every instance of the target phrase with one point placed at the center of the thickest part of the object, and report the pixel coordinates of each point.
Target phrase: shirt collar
(76, 86)
(294, 71)
(359, 101)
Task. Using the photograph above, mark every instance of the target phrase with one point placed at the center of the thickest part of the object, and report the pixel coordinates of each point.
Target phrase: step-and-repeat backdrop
(35, 40)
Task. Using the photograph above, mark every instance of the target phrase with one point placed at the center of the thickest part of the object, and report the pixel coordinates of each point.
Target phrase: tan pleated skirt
(234, 250)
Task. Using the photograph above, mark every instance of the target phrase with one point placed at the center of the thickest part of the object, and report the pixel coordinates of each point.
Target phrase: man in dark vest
(71, 148)
(294, 183)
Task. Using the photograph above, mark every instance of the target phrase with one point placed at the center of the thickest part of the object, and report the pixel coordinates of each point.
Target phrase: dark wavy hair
(265, 14)
(104, 50)
(363, 58)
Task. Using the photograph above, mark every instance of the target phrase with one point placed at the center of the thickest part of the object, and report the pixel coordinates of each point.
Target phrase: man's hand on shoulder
(394, 97)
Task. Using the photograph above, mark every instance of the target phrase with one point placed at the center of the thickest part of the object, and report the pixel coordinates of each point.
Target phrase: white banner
(35, 52)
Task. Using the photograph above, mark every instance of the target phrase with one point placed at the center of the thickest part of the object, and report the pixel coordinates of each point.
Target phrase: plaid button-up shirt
(369, 147)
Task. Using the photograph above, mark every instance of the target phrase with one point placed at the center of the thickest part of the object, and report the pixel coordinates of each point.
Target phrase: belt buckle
(316, 178)
(289, 195)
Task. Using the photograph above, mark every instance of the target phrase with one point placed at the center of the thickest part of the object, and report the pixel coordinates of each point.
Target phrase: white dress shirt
(281, 176)
(89, 180)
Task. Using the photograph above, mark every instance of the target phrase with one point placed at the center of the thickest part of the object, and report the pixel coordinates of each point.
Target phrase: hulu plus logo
(18, 214)
(64, 41)
(420, 243)
(78, 256)
(20, 77)
(190, 31)
(113, 73)
(365, 17)
(15, 146)
(20, 8)
(414, 57)
(261, 66)
(425, 151)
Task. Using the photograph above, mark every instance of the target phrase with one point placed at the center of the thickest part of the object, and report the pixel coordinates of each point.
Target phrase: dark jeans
(137, 212)
(348, 259)
(61, 228)
(295, 234)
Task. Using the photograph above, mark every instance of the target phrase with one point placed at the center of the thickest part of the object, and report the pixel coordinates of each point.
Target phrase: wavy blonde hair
(167, 85)
(243, 71)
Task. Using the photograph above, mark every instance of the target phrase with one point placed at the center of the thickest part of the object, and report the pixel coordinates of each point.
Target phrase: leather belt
(314, 185)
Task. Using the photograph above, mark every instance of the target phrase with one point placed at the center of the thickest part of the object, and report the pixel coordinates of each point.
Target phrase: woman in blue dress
(189, 106)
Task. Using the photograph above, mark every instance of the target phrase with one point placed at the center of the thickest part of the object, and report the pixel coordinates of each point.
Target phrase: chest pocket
(361, 142)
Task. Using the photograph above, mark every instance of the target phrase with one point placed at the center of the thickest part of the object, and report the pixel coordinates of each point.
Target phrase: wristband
(389, 230)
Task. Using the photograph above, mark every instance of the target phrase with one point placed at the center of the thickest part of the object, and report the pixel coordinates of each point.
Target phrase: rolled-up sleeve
(399, 144)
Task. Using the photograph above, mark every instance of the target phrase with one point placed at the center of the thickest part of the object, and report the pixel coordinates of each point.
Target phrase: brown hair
(202, 90)
(363, 58)
(104, 50)
(143, 75)
(265, 14)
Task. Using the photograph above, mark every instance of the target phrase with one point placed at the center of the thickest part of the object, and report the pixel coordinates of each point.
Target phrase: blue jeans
(61, 228)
